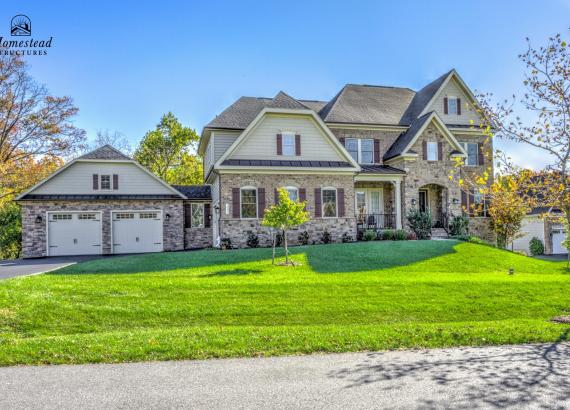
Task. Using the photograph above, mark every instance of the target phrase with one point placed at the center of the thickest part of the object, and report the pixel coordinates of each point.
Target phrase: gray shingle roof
(422, 98)
(286, 163)
(406, 137)
(105, 152)
(202, 192)
(98, 197)
(367, 104)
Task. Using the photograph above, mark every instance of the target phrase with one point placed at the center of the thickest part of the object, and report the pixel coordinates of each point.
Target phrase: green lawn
(349, 297)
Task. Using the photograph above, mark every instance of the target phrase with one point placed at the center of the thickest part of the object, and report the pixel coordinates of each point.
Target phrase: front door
(423, 200)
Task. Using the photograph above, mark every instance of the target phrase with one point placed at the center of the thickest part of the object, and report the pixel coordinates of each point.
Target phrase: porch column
(398, 194)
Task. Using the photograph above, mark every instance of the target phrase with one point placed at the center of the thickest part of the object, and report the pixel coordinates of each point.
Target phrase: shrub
(347, 238)
(369, 235)
(459, 225)
(387, 235)
(303, 238)
(252, 240)
(411, 236)
(420, 223)
(536, 247)
(473, 239)
(326, 237)
(400, 235)
(225, 243)
(11, 232)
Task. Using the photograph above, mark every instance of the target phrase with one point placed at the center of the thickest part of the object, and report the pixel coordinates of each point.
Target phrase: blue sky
(126, 63)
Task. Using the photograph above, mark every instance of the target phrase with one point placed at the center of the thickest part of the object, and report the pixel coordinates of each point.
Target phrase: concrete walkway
(517, 377)
(24, 267)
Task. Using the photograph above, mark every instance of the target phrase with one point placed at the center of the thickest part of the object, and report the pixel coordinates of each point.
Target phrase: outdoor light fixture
(39, 219)
(167, 217)
(414, 201)
(455, 201)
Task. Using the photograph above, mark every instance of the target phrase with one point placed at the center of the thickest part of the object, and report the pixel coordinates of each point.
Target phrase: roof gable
(105, 152)
(407, 139)
(280, 120)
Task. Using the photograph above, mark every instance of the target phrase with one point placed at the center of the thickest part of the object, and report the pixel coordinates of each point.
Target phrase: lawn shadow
(232, 272)
(159, 262)
(374, 255)
(498, 377)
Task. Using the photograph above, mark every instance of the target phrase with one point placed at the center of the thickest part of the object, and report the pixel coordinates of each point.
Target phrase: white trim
(379, 177)
(329, 188)
(327, 132)
(235, 169)
(291, 187)
(373, 127)
(112, 211)
(69, 211)
(249, 187)
(126, 161)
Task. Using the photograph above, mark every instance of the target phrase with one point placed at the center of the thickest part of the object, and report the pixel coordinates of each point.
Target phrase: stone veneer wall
(237, 229)
(198, 238)
(481, 227)
(34, 234)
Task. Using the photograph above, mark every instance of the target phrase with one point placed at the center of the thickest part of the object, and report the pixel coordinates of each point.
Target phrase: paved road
(23, 267)
(531, 376)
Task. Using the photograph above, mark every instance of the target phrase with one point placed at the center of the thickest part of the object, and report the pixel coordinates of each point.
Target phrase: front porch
(378, 205)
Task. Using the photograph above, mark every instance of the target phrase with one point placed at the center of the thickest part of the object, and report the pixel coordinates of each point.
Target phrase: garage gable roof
(105, 153)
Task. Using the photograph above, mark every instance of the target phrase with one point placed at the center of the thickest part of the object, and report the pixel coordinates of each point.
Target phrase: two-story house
(360, 161)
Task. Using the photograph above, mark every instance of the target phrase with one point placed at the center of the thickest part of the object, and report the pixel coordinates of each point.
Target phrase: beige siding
(78, 179)
(468, 113)
(209, 156)
(222, 142)
(531, 226)
(261, 142)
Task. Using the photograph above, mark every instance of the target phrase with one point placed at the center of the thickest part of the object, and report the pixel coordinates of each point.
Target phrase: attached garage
(137, 231)
(74, 233)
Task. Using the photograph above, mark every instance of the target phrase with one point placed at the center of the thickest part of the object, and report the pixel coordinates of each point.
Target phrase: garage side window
(197, 215)
(61, 217)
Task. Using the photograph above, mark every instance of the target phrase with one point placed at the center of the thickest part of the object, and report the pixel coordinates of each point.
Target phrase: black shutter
(260, 202)
(459, 106)
(297, 145)
(340, 199)
(318, 208)
(471, 205)
(440, 151)
(187, 215)
(115, 181)
(342, 140)
(235, 202)
(279, 144)
(276, 196)
(480, 156)
(207, 215)
(464, 205)
(95, 181)
(424, 149)
(302, 194)
(445, 106)
(376, 151)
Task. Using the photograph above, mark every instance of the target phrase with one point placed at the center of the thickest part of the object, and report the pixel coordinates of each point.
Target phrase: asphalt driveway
(517, 377)
(24, 267)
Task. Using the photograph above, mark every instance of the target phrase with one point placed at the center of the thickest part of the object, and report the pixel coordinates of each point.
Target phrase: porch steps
(439, 233)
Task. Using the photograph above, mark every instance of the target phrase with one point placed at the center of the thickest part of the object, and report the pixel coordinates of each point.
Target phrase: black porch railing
(375, 222)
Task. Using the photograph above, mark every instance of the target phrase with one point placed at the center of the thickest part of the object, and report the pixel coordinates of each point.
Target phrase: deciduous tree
(169, 152)
(285, 215)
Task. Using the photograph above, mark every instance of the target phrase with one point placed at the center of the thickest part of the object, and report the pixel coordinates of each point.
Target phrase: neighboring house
(544, 224)
(106, 203)
(360, 160)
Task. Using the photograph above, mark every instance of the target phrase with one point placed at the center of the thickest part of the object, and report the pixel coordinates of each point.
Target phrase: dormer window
(106, 182)
(452, 105)
(289, 144)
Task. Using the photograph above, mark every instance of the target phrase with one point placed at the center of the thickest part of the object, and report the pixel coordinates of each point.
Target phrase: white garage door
(137, 231)
(558, 236)
(74, 233)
